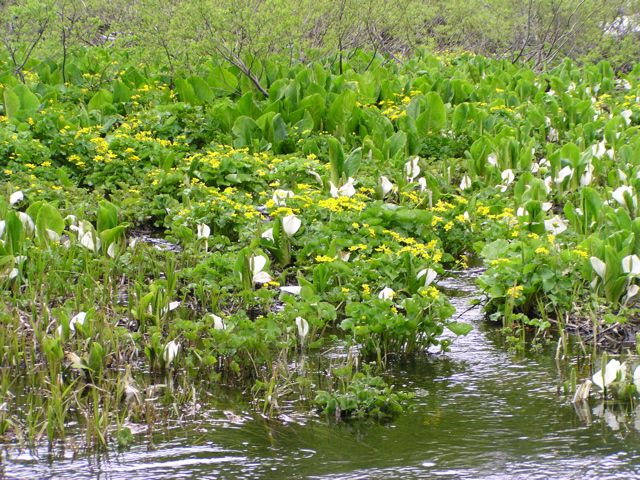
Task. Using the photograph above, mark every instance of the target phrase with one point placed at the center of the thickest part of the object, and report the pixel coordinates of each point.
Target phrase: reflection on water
(479, 413)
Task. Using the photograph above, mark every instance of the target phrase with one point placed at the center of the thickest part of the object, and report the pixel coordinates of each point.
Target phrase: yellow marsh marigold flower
(515, 292)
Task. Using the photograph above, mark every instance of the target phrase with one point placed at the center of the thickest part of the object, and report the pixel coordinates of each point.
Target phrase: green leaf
(459, 328)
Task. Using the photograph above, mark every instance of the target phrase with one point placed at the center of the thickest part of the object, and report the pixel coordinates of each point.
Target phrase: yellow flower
(515, 292)
(542, 251)
(580, 253)
(324, 258)
(366, 289)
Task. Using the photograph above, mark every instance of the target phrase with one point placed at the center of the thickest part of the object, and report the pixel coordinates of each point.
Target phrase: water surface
(479, 412)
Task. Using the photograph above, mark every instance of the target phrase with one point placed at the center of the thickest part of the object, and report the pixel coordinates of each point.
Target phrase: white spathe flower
(521, 212)
(16, 197)
(626, 114)
(257, 264)
(599, 267)
(203, 230)
(428, 274)
(77, 319)
(27, 223)
(422, 183)
(564, 173)
(346, 190)
(631, 264)
(111, 250)
(465, 183)
(385, 185)
(508, 176)
(387, 293)
(3, 225)
(587, 176)
(268, 234)
(412, 169)
(52, 235)
(599, 149)
(605, 377)
(632, 291)
(303, 327)
(555, 225)
(291, 289)
(636, 378)
(622, 176)
(619, 195)
(171, 350)
(280, 197)
(546, 206)
(552, 136)
(90, 241)
(291, 224)
(218, 323)
(492, 159)
(535, 168)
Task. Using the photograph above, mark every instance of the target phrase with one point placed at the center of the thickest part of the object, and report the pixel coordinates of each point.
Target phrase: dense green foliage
(302, 205)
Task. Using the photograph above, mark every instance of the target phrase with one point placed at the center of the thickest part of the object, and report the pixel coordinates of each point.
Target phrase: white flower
(605, 377)
(111, 250)
(552, 136)
(422, 183)
(268, 234)
(622, 176)
(599, 267)
(257, 264)
(546, 206)
(587, 176)
(90, 241)
(291, 224)
(564, 173)
(548, 182)
(27, 223)
(203, 231)
(346, 190)
(16, 197)
(631, 264)
(386, 293)
(412, 169)
(171, 350)
(535, 168)
(292, 289)
(218, 323)
(599, 149)
(280, 197)
(636, 378)
(385, 185)
(77, 319)
(626, 114)
(465, 183)
(3, 225)
(632, 291)
(555, 225)
(619, 195)
(508, 176)
(492, 159)
(303, 327)
(429, 274)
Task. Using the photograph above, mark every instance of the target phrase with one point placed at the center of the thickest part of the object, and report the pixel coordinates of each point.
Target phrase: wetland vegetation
(190, 218)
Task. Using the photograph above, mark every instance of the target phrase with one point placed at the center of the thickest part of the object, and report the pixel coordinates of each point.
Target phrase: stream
(479, 412)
